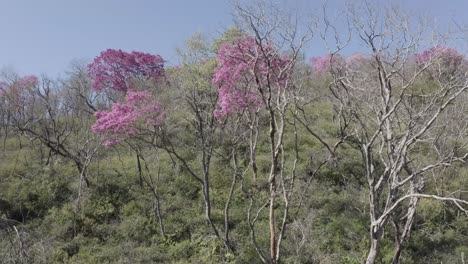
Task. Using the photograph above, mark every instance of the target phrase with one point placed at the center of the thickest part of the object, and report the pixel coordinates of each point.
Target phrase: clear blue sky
(44, 36)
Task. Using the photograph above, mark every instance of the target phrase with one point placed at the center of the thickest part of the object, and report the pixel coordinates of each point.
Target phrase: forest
(248, 151)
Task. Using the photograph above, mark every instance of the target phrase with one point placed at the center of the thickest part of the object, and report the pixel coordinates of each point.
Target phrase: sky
(44, 36)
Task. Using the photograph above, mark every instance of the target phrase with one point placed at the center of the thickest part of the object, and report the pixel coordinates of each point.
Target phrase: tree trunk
(227, 207)
(400, 239)
(396, 256)
(372, 256)
(272, 222)
(82, 170)
(206, 196)
(140, 173)
(159, 216)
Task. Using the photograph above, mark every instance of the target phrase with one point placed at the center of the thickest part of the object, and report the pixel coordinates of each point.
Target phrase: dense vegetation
(244, 153)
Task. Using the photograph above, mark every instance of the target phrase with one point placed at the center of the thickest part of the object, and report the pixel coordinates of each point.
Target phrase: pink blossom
(245, 70)
(134, 97)
(321, 64)
(126, 119)
(114, 69)
(18, 92)
(329, 62)
(447, 56)
(28, 81)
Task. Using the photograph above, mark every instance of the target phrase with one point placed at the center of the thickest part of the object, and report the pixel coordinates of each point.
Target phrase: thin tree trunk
(372, 256)
(82, 170)
(5, 137)
(272, 180)
(228, 205)
(272, 222)
(140, 173)
(375, 231)
(397, 254)
(77, 208)
(400, 239)
(206, 196)
(154, 191)
(158, 213)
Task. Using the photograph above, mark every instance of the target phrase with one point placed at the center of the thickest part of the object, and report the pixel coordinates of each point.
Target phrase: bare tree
(396, 103)
(48, 112)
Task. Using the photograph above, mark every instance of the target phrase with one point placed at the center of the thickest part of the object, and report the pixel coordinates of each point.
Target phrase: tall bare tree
(397, 101)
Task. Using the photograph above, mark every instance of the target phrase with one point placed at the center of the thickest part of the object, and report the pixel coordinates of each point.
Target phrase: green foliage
(115, 220)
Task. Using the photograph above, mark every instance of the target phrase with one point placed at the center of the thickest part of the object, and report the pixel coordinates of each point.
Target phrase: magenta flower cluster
(114, 69)
(117, 70)
(245, 69)
(126, 118)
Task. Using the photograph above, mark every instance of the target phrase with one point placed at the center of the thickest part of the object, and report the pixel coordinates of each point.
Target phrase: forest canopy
(248, 151)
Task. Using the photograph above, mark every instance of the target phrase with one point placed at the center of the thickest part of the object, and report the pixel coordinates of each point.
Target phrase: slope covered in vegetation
(244, 153)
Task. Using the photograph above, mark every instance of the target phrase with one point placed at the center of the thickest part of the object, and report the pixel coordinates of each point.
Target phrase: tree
(132, 118)
(118, 70)
(254, 78)
(46, 114)
(396, 104)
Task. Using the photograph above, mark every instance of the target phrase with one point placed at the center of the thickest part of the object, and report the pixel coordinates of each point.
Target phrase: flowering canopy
(125, 118)
(17, 92)
(245, 70)
(442, 61)
(21, 84)
(448, 56)
(114, 69)
(27, 81)
(323, 64)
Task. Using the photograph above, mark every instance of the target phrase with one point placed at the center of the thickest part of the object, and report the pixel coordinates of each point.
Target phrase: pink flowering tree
(118, 70)
(128, 119)
(446, 55)
(249, 74)
(441, 61)
(136, 114)
(337, 64)
(322, 64)
(17, 93)
(257, 85)
(254, 80)
(17, 101)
